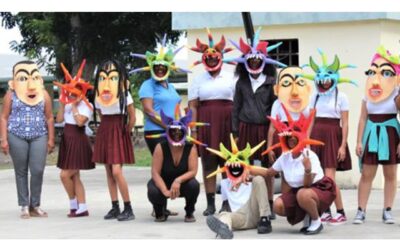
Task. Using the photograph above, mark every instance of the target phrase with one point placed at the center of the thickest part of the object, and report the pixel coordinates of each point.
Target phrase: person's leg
(80, 195)
(340, 216)
(37, 162)
(390, 186)
(158, 200)
(364, 187)
(308, 200)
(269, 181)
(68, 183)
(127, 213)
(210, 164)
(190, 190)
(113, 190)
(279, 207)
(19, 150)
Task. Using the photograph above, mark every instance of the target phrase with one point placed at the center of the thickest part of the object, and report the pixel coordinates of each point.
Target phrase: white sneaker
(387, 217)
(360, 217)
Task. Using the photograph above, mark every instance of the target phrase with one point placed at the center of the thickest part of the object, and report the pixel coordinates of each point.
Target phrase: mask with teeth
(74, 87)
(213, 54)
(327, 77)
(178, 128)
(236, 162)
(293, 136)
(256, 56)
(160, 64)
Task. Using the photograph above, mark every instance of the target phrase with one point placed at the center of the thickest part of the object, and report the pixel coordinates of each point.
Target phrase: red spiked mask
(74, 87)
(293, 136)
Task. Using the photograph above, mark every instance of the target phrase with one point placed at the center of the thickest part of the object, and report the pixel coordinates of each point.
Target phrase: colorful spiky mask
(160, 64)
(236, 161)
(75, 87)
(213, 54)
(326, 76)
(177, 130)
(255, 57)
(293, 136)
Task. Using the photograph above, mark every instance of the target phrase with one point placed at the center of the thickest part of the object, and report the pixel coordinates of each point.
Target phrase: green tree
(51, 38)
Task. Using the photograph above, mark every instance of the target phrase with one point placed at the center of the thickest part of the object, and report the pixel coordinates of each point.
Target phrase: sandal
(38, 212)
(25, 213)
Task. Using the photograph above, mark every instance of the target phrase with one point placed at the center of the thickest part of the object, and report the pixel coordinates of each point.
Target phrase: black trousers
(189, 190)
(152, 143)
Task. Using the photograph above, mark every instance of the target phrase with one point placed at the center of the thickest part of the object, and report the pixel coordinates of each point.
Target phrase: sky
(6, 36)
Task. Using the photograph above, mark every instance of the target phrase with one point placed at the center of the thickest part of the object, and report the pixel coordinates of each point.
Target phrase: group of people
(303, 140)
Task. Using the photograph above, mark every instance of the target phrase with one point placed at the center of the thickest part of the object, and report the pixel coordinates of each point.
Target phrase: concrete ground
(58, 226)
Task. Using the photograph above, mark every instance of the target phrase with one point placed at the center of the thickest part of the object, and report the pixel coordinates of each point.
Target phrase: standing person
(378, 132)
(75, 151)
(331, 126)
(27, 133)
(113, 146)
(293, 92)
(210, 98)
(157, 93)
(174, 167)
(254, 96)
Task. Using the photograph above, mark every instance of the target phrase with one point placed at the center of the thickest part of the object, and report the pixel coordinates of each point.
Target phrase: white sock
(82, 208)
(314, 224)
(73, 204)
(306, 221)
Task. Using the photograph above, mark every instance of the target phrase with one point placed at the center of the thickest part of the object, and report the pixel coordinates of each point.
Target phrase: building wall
(353, 42)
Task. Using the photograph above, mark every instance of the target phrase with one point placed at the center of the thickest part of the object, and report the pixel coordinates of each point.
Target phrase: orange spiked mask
(74, 87)
(236, 162)
(293, 136)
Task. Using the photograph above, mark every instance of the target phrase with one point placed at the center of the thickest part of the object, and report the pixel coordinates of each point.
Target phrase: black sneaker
(112, 214)
(225, 207)
(264, 225)
(218, 227)
(210, 210)
(126, 215)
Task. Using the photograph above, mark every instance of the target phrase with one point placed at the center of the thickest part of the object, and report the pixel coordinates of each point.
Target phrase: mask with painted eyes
(255, 57)
(212, 54)
(160, 64)
(327, 77)
(382, 76)
(293, 135)
(27, 83)
(292, 89)
(236, 161)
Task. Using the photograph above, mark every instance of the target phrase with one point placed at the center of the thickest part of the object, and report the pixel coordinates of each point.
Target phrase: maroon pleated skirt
(219, 114)
(328, 131)
(113, 143)
(326, 192)
(253, 134)
(371, 158)
(75, 151)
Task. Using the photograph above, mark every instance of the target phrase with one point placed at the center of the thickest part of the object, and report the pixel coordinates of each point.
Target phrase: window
(287, 53)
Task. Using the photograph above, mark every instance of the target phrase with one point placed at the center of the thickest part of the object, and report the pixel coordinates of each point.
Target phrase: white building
(354, 37)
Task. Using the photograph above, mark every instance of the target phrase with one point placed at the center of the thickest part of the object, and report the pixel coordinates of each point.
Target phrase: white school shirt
(293, 169)
(256, 83)
(113, 109)
(278, 110)
(238, 198)
(205, 87)
(387, 106)
(83, 110)
(325, 106)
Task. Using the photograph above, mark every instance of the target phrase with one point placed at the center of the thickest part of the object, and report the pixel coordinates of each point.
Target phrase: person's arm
(132, 117)
(237, 105)
(193, 105)
(361, 127)
(60, 113)
(270, 139)
(156, 166)
(191, 173)
(344, 116)
(50, 122)
(147, 104)
(4, 121)
(308, 175)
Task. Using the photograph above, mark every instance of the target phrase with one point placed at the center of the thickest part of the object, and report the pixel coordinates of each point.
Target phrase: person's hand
(245, 178)
(167, 193)
(359, 149)
(306, 161)
(50, 146)
(398, 150)
(175, 189)
(341, 153)
(271, 157)
(4, 147)
(77, 101)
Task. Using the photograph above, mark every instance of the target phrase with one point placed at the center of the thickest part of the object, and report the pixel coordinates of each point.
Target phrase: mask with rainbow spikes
(213, 54)
(74, 87)
(327, 77)
(178, 128)
(160, 64)
(293, 136)
(236, 162)
(255, 57)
